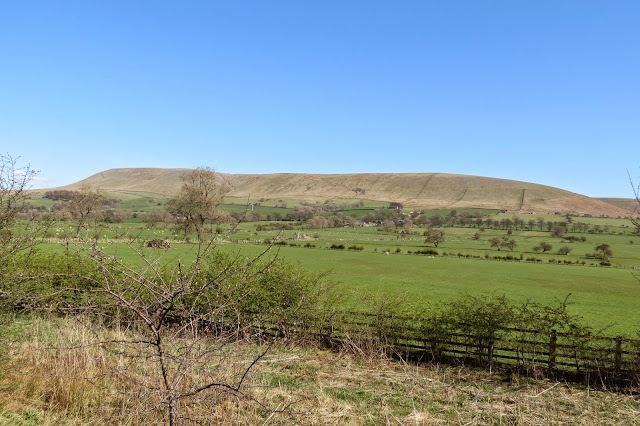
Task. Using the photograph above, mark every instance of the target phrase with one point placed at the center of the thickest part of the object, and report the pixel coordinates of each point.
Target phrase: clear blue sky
(539, 91)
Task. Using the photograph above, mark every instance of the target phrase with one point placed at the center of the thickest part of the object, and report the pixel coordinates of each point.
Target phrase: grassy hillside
(629, 204)
(414, 190)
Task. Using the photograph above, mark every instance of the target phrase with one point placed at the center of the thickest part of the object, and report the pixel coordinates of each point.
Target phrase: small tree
(604, 251)
(202, 193)
(564, 250)
(174, 318)
(434, 236)
(14, 181)
(543, 247)
(559, 231)
(496, 242)
(84, 204)
(511, 244)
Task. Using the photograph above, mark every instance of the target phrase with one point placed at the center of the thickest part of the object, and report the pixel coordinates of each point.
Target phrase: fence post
(618, 355)
(553, 339)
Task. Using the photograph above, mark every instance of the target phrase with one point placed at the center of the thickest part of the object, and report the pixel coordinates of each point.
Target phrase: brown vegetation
(288, 386)
(413, 190)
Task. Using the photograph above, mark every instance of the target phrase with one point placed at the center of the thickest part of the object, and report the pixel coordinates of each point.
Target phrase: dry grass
(291, 385)
(417, 190)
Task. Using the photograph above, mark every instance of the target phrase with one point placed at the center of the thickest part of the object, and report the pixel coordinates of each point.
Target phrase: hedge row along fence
(570, 355)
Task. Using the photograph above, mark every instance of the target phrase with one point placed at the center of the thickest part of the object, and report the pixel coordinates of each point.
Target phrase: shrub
(426, 252)
(158, 244)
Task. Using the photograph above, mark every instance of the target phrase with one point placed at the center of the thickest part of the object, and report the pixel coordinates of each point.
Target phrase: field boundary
(599, 360)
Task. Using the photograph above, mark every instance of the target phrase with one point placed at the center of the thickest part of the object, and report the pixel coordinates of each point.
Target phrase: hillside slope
(629, 204)
(417, 190)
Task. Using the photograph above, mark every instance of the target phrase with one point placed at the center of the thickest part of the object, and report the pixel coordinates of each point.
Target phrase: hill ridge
(414, 190)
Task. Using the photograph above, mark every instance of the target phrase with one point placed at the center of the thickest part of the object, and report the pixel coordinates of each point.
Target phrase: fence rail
(611, 359)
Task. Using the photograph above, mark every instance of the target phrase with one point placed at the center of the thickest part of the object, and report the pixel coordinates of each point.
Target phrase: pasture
(369, 261)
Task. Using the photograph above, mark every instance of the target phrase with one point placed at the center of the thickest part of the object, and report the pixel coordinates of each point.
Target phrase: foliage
(543, 247)
(564, 250)
(604, 251)
(170, 301)
(434, 236)
(498, 243)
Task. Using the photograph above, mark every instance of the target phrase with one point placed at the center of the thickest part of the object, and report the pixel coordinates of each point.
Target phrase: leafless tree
(14, 183)
(202, 193)
(635, 187)
(181, 317)
(84, 204)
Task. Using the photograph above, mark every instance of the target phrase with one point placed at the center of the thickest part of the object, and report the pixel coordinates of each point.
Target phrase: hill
(629, 204)
(414, 190)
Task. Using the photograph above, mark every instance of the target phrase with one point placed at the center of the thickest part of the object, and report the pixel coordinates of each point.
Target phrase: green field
(607, 297)
(382, 262)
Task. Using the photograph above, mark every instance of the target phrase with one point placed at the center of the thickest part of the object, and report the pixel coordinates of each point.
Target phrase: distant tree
(499, 243)
(155, 217)
(395, 205)
(564, 250)
(543, 247)
(604, 250)
(511, 244)
(434, 236)
(496, 242)
(559, 231)
(436, 220)
(199, 200)
(476, 236)
(84, 204)
(541, 223)
(59, 195)
(518, 222)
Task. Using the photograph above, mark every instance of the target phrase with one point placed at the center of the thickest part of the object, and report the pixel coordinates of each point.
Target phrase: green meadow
(366, 261)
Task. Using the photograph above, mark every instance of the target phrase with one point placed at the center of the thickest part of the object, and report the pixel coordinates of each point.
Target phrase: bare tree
(635, 219)
(84, 204)
(202, 193)
(14, 181)
(180, 317)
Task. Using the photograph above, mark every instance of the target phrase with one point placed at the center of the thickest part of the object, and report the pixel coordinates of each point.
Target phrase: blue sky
(539, 91)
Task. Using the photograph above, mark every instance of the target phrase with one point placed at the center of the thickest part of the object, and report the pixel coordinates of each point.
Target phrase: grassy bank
(89, 383)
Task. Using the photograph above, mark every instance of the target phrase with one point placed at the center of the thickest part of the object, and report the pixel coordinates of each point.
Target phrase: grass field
(607, 297)
(604, 296)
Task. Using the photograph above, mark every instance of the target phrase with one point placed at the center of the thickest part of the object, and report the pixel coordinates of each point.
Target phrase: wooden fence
(606, 360)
